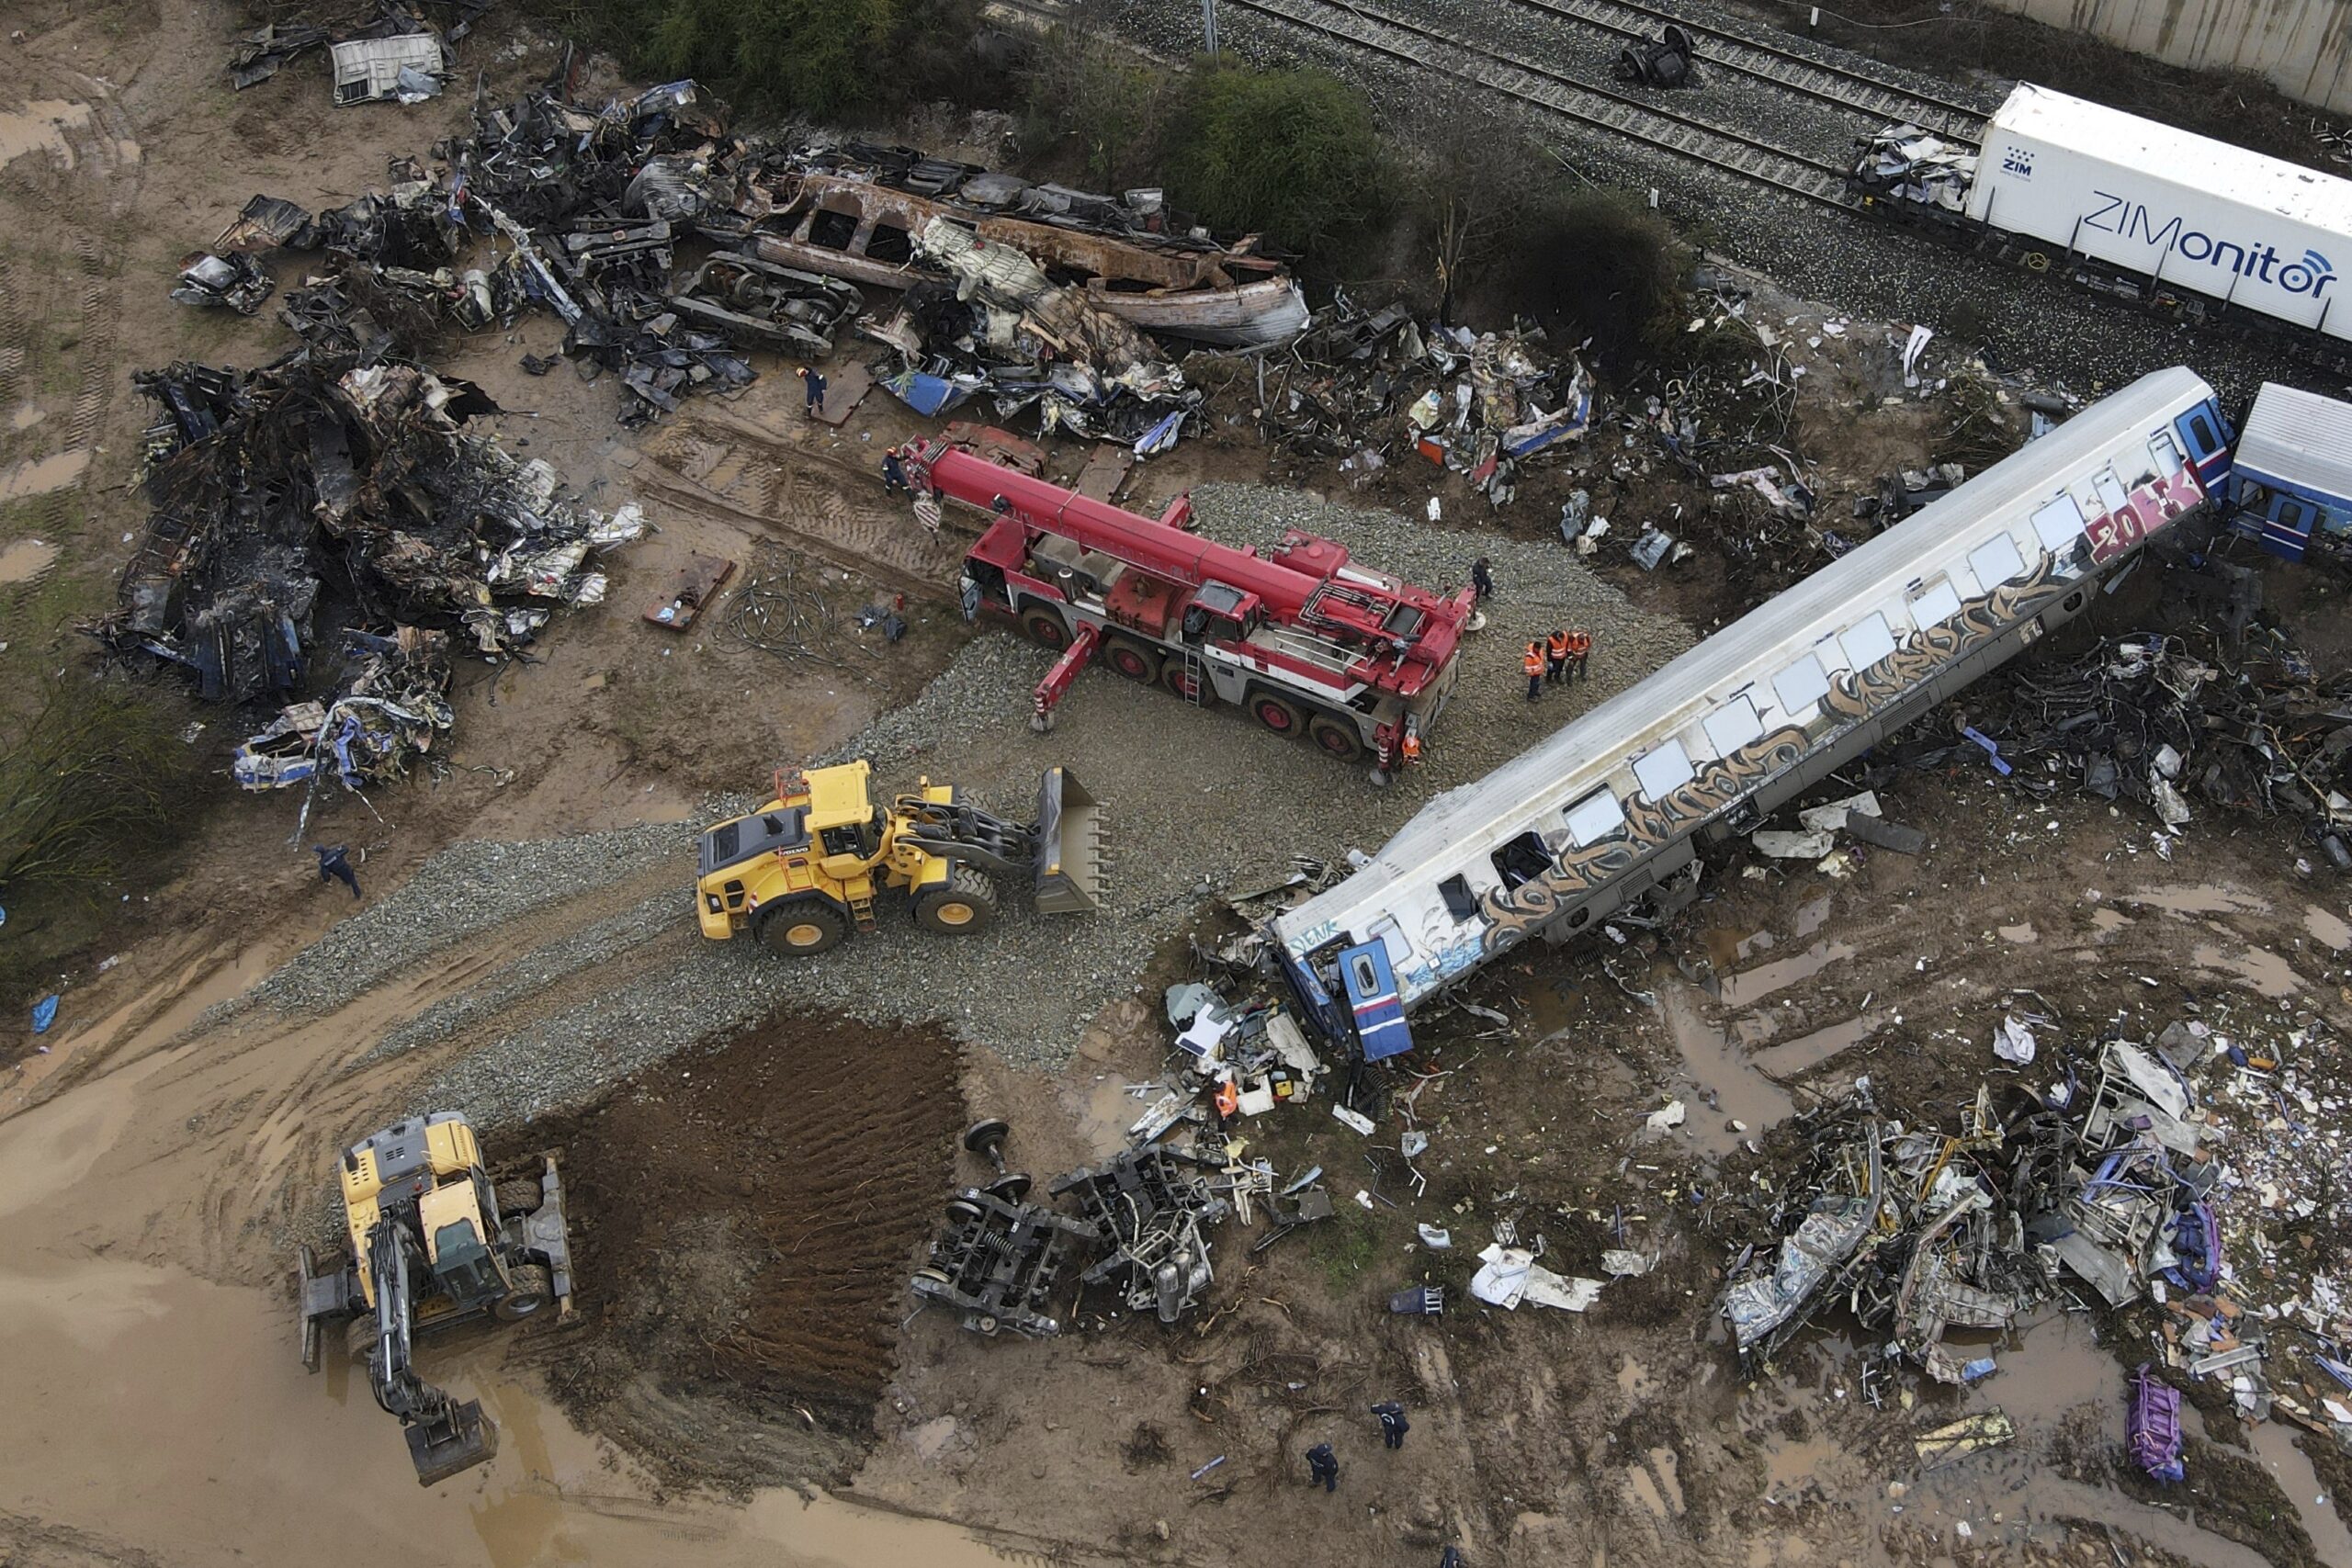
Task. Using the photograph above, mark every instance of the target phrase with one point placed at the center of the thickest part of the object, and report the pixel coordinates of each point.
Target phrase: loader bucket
(445, 1448)
(1070, 846)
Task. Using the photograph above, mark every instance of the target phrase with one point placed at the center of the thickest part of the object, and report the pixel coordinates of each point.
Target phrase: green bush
(1112, 104)
(1291, 154)
(824, 59)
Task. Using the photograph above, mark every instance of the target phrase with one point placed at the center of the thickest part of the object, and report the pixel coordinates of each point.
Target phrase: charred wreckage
(1033, 295)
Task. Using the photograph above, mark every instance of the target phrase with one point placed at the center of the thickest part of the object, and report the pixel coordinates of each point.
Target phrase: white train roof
(2297, 438)
(2230, 173)
(1459, 829)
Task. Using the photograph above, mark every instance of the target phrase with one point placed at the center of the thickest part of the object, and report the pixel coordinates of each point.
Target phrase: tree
(93, 771)
(809, 56)
(1288, 153)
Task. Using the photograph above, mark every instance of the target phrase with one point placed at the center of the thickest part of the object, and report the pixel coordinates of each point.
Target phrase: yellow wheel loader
(803, 872)
(434, 1244)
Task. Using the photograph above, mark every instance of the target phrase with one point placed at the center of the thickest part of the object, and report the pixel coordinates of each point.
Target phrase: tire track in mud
(743, 1233)
(747, 476)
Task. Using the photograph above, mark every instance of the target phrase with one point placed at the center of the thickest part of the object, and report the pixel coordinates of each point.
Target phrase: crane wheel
(964, 903)
(801, 927)
(359, 1338)
(1045, 627)
(1275, 714)
(1131, 659)
(534, 1292)
(1188, 684)
(1335, 737)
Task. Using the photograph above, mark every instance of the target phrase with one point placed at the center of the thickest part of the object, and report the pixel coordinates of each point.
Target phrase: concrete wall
(2303, 46)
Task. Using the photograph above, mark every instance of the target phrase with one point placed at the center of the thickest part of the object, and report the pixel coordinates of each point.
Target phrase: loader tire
(359, 1338)
(801, 927)
(1135, 660)
(521, 1196)
(964, 903)
(1335, 737)
(533, 1294)
(1045, 627)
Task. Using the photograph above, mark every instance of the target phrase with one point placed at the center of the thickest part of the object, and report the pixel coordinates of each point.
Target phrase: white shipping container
(2194, 213)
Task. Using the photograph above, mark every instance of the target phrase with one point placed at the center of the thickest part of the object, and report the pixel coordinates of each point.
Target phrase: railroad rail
(1881, 98)
(1725, 148)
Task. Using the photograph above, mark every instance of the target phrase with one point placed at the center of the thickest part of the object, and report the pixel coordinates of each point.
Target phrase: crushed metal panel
(369, 70)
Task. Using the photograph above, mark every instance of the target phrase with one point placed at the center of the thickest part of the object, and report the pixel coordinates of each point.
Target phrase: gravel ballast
(1195, 803)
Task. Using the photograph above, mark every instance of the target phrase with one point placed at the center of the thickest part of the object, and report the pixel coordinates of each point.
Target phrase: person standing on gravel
(1323, 1467)
(1555, 658)
(1534, 665)
(334, 865)
(1482, 578)
(1580, 649)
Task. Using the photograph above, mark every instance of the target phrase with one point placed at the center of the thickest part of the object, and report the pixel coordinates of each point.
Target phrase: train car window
(1934, 605)
(2200, 435)
(2166, 453)
(1866, 642)
(1731, 726)
(2290, 516)
(1800, 686)
(1996, 561)
(2110, 491)
(2059, 525)
(1595, 818)
(1459, 900)
(1664, 770)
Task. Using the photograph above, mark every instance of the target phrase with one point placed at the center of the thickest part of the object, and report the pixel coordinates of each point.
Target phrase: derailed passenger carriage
(1615, 806)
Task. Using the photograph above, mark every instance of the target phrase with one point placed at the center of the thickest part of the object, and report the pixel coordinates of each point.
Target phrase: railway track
(1725, 148)
(1864, 92)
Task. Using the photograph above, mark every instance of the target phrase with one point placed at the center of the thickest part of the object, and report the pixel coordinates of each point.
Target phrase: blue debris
(44, 1014)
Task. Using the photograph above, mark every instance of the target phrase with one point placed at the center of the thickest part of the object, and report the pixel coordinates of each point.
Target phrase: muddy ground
(747, 1214)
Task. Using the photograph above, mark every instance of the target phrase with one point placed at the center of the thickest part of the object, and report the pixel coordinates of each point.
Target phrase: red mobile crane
(1358, 662)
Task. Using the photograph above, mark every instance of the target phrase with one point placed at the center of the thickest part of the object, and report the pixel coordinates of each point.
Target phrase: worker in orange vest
(1556, 657)
(1534, 665)
(1580, 649)
(1412, 747)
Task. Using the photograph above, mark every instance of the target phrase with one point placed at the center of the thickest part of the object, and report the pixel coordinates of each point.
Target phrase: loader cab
(843, 820)
(463, 1268)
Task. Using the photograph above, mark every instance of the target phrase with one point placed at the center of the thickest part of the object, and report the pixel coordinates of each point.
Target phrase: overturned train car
(1615, 806)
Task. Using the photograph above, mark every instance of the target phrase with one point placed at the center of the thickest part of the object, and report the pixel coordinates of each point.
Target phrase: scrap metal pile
(2177, 1172)
(1141, 1219)
(2161, 720)
(1036, 296)
(322, 477)
(1377, 387)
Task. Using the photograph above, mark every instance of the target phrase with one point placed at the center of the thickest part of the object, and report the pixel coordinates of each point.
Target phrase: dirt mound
(745, 1219)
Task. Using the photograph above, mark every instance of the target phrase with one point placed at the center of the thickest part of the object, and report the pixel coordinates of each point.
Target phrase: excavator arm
(444, 1436)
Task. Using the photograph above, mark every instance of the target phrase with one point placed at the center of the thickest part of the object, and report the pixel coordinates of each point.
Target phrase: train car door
(2207, 436)
(1371, 984)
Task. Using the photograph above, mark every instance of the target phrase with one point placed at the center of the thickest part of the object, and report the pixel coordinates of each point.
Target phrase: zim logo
(2131, 219)
(2018, 161)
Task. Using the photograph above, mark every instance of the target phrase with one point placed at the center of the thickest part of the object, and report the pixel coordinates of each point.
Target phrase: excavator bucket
(1070, 846)
(446, 1448)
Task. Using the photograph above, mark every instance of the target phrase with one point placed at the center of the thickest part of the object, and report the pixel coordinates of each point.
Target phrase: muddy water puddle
(25, 559)
(1800, 1055)
(39, 476)
(1748, 986)
(2327, 928)
(149, 1019)
(42, 123)
(2203, 899)
(2273, 1445)
(1728, 1086)
(2260, 968)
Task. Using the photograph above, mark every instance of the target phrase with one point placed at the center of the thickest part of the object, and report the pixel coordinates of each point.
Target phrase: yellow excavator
(434, 1243)
(804, 870)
